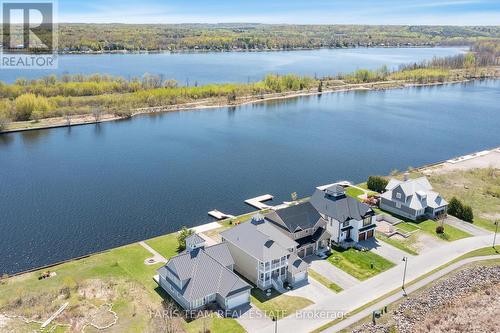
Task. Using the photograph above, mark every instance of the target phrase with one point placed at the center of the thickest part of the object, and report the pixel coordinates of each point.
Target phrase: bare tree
(97, 113)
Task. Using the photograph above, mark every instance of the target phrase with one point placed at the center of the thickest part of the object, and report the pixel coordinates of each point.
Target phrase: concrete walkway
(332, 273)
(393, 298)
(156, 256)
(385, 250)
(466, 226)
(373, 288)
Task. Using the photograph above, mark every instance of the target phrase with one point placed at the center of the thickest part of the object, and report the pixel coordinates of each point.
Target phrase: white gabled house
(413, 199)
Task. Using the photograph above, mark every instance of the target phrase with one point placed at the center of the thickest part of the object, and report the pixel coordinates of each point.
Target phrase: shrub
(30, 106)
(377, 183)
(4, 119)
(459, 210)
(467, 214)
(181, 238)
(440, 229)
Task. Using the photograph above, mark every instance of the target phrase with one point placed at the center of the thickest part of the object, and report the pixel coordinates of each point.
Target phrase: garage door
(300, 277)
(369, 234)
(238, 300)
(362, 236)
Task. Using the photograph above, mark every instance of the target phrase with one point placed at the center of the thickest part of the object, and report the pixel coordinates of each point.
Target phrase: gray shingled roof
(341, 208)
(194, 239)
(205, 275)
(418, 192)
(303, 216)
(255, 242)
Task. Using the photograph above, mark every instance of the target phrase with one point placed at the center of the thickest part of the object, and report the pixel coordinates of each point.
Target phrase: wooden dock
(343, 183)
(219, 215)
(258, 202)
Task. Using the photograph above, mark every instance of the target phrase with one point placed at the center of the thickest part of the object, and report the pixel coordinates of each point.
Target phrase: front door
(362, 236)
(369, 234)
(348, 234)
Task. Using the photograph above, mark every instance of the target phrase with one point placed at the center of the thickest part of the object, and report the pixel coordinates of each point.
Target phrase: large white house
(347, 219)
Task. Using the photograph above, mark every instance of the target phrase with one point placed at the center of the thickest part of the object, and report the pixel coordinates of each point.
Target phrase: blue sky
(437, 12)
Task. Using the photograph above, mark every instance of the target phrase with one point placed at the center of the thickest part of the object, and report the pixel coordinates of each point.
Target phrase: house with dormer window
(347, 220)
(413, 199)
(203, 275)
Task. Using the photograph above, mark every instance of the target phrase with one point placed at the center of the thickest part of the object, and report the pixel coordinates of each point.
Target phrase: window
(398, 195)
(398, 204)
(367, 220)
(345, 224)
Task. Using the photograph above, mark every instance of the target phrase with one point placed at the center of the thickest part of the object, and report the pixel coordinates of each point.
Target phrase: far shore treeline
(100, 94)
(258, 37)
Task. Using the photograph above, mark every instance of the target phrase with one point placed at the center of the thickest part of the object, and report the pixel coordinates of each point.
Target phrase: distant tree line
(227, 37)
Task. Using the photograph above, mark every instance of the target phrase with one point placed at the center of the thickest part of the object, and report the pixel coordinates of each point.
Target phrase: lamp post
(495, 235)
(405, 259)
(275, 324)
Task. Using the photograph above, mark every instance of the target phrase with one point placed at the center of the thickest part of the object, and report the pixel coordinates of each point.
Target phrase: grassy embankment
(118, 277)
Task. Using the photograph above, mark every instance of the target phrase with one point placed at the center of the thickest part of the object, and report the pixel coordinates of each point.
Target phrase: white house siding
(245, 264)
(165, 284)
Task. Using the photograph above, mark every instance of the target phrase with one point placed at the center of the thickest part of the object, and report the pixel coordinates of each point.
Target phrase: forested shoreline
(97, 95)
(82, 38)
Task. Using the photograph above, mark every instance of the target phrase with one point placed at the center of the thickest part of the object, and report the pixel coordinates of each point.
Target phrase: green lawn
(358, 263)
(407, 227)
(278, 305)
(214, 324)
(402, 245)
(450, 233)
(353, 192)
(165, 245)
(485, 224)
(324, 281)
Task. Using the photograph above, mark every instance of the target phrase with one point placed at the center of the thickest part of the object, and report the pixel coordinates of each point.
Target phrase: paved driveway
(384, 250)
(332, 273)
(254, 320)
(312, 290)
(465, 226)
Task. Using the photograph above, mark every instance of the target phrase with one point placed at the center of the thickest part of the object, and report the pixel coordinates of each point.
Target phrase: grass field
(324, 281)
(361, 265)
(450, 233)
(118, 276)
(278, 305)
(478, 188)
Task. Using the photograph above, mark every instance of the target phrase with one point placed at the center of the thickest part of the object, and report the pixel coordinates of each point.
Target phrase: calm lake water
(188, 68)
(69, 192)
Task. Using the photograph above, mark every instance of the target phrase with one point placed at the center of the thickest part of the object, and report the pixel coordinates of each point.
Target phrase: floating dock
(258, 202)
(343, 183)
(219, 215)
